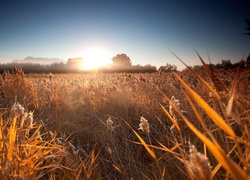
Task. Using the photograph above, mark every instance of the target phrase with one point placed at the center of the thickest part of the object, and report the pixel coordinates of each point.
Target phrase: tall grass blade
(117, 168)
(1, 134)
(12, 136)
(171, 118)
(219, 85)
(231, 94)
(210, 112)
(219, 165)
(164, 148)
(200, 118)
(91, 166)
(219, 154)
(152, 154)
(200, 78)
(145, 145)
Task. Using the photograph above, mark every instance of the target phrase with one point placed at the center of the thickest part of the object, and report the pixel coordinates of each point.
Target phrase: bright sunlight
(95, 57)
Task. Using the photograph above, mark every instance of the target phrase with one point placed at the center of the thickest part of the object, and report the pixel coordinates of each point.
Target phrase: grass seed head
(29, 120)
(198, 165)
(109, 124)
(17, 109)
(172, 112)
(176, 102)
(144, 126)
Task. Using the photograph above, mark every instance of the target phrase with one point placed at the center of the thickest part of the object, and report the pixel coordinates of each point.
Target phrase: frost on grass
(144, 126)
(172, 112)
(109, 124)
(198, 165)
(17, 109)
(25, 119)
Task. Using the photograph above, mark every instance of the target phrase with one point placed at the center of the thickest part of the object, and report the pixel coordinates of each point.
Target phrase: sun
(96, 57)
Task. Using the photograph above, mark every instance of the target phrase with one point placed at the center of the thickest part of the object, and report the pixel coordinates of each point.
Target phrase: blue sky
(144, 30)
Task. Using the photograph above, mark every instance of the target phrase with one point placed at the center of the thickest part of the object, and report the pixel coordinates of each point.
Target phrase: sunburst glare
(95, 57)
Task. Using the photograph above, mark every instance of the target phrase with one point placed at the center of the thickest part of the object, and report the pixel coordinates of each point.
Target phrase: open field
(125, 126)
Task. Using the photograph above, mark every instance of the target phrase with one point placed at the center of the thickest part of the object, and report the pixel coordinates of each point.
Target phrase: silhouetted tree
(241, 64)
(248, 27)
(248, 33)
(57, 66)
(226, 64)
(75, 63)
(149, 68)
(121, 60)
(168, 68)
(248, 62)
(198, 67)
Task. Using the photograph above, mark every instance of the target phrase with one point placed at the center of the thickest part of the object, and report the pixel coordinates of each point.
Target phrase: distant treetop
(122, 60)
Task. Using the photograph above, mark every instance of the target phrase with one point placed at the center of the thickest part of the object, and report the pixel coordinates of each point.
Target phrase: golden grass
(210, 112)
(152, 154)
(71, 137)
(25, 153)
(171, 118)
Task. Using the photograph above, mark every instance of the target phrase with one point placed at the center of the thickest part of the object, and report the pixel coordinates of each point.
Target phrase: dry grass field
(183, 125)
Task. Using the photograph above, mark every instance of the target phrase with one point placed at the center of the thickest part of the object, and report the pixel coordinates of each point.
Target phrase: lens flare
(96, 57)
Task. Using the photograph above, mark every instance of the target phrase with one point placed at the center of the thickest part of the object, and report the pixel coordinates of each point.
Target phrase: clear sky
(144, 30)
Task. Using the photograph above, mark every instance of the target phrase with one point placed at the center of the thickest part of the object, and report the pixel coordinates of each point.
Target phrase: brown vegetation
(125, 126)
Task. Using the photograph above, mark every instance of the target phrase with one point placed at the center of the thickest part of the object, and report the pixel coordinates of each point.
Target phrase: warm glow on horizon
(95, 57)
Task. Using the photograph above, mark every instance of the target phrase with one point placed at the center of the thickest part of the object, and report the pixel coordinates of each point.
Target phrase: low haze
(144, 30)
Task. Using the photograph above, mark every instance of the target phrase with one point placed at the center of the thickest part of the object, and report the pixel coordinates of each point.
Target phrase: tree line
(120, 63)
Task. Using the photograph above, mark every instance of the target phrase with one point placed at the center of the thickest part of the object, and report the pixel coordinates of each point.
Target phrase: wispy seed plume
(109, 124)
(144, 126)
(198, 165)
